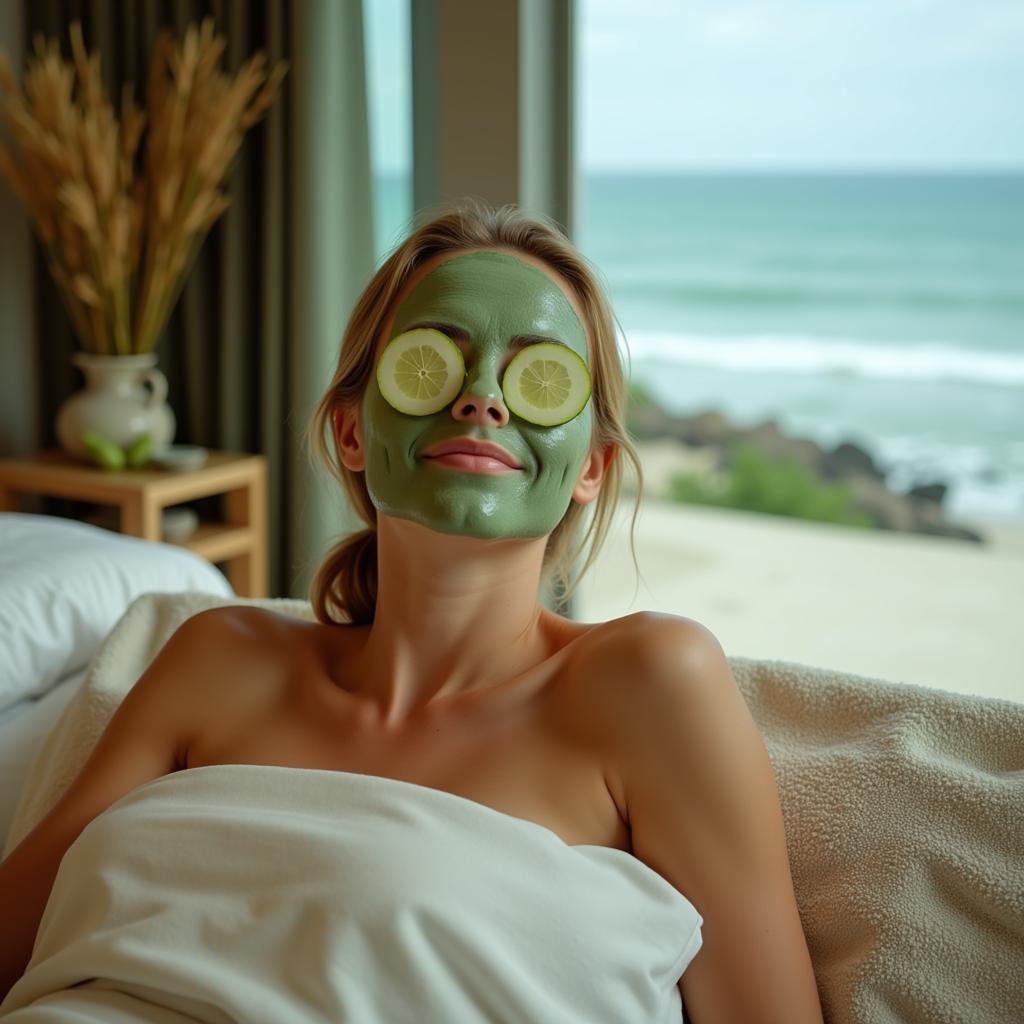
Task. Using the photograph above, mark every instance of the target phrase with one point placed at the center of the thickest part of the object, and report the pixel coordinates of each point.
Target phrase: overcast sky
(745, 84)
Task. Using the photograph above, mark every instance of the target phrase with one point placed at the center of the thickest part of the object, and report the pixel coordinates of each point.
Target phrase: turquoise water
(883, 309)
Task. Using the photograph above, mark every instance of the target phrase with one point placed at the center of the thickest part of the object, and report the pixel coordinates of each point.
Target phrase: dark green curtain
(251, 342)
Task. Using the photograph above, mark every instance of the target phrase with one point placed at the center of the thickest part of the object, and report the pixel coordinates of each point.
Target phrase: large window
(801, 213)
(813, 214)
(388, 75)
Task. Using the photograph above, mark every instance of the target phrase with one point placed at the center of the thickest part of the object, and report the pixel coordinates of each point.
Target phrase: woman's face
(482, 300)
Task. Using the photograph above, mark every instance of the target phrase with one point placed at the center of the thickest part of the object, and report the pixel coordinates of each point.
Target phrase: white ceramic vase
(116, 404)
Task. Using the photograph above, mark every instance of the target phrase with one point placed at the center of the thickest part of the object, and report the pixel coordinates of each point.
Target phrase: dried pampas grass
(120, 243)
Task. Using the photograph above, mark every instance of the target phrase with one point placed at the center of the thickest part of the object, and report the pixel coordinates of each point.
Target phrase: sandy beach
(936, 612)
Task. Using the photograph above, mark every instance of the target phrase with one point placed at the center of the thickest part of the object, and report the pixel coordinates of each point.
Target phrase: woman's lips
(472, 463)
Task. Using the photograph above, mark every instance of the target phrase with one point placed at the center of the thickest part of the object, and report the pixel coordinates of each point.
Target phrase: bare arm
(143, 741)
(704, 812)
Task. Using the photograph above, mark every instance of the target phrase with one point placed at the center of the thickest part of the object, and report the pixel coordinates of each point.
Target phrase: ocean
(882, 309)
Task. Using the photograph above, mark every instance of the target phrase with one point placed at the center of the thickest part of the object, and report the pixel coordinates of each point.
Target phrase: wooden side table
(239, 542)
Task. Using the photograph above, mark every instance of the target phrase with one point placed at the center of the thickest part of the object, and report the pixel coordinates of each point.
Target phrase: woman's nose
(481, 403)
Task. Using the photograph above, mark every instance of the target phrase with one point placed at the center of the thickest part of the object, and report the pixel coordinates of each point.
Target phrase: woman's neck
(454, 614)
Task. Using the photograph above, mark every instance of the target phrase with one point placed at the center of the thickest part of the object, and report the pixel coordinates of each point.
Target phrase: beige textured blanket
(904, 811)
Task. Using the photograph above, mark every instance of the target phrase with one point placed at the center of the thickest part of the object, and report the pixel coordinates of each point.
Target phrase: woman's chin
(472, 525)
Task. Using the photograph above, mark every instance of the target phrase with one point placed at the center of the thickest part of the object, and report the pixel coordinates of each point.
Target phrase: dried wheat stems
(120, 232)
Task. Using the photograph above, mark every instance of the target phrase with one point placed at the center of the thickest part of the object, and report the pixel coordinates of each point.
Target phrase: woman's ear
(348, 437)
(588, 483)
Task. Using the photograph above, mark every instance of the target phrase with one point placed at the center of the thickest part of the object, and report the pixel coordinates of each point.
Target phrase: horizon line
(810, 169)
(949, 170)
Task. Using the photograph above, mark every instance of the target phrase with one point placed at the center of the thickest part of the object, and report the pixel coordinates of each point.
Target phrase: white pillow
(64, 585)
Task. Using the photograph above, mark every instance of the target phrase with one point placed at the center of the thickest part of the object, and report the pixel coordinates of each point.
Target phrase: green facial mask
(492, 297)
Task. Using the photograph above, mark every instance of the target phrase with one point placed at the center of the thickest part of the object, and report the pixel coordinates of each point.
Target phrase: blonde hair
(344, 588)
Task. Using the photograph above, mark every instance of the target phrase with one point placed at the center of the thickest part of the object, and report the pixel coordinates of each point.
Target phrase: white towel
(270, 894)
(903, 806)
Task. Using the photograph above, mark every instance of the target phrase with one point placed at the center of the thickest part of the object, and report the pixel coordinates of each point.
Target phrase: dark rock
(775, 445)
(928, 492)
(848, 459)
(887, 510)
(650, 421)
(917, 511)
(929, 519)
(706, 428)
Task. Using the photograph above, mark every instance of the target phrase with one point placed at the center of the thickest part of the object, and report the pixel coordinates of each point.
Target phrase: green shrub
(640, 399)
(781, 488)
(640, 394)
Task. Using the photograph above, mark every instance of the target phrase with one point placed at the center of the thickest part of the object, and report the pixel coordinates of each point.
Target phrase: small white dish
(178, 524)
(181, 456)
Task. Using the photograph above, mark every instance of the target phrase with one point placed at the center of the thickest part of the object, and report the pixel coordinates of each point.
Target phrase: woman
(630, 734)
(433, 661)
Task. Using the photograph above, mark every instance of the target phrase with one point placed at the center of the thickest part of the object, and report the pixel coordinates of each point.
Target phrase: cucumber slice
(420, 372)
(547, 384)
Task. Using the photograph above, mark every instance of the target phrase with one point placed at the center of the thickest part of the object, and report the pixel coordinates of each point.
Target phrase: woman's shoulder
(244, 646)
(241, 617)
(255, 630)
(638, 659)
(641, 635)
(248, 655)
